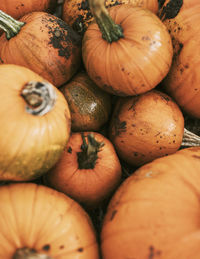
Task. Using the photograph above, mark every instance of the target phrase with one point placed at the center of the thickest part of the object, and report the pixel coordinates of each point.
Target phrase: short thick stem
(27, 253)
(110, 31)
(190, 139)
(10, 25)
(39, 97)
(88, 156)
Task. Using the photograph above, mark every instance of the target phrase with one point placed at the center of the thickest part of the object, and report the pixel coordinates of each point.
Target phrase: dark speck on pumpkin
(46, 247)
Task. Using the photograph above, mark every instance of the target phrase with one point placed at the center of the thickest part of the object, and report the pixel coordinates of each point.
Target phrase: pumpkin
(155, 209)
(131, 58)
(88, 170)
(183, 80)
(77, 13)
(35, 124)
(39, 222)
(43, 43)
(146, 127)
(18, 8)
(89, 106)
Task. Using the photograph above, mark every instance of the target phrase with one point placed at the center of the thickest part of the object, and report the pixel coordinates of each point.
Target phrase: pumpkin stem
(39, 96)
(110, 31)
(88, 156)
(190, 139)
(10, 25)
(27, 253)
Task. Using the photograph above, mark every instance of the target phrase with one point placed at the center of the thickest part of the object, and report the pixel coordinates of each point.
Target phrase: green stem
(88, 156)
(190, 139)
(110, 31)
(27, 253)
(39, 96)
(10, 25)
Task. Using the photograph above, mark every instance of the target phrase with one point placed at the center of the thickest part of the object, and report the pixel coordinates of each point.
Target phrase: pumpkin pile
(100, 132)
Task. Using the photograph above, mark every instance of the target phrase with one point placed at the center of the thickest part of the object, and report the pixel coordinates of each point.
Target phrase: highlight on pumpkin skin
(121, 54)
(37, 222)
(43, 43)
(88, 170)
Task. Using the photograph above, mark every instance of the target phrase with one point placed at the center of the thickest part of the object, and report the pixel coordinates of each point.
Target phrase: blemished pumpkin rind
(30, 144)
(46, 45)
(90, 180)
(90, 107)
(182, 81)
(133, 64)
(45, 221)
(18, 8)
(154, 209)
(78, 15)
(145, 127)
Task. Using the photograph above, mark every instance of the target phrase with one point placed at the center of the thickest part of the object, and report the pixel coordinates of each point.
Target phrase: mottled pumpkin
(89, 106)
(77, 13)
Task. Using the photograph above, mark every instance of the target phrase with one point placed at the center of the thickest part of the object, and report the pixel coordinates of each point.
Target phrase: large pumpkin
(89, 106)
(18, 8)
(42, 42)
(125, 56)
(35, 124)
(77, 13)
(183, 79)
(39, 222)
(156, 210)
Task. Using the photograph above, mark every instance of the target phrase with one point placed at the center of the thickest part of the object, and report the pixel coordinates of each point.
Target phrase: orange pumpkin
(155, 210)
(183, 79)
(88, 171)
(146, 127)
(131, 58)
(35, 124)
(89, 106)
(39, 222)
(42, 42)
(18, 8)
(77, 13)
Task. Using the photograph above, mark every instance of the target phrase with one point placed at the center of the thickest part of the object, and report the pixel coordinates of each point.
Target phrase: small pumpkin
(89, 106)
(43, 43)
(35, 124)
(125, 57)
(39, 222)
(88, 170)
(145, 127)
(183, 80)
(18, 8)
(77, 13)
(155, 209)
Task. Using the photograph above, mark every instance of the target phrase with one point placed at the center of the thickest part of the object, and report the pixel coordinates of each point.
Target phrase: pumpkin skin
(63, 230)
(89, 106)
(77, 13)
(146, 127)
(183, 80)
(126, 67)
(46, 45)
(154, 209)
(18, 8)
(89, 181)
(30, 144)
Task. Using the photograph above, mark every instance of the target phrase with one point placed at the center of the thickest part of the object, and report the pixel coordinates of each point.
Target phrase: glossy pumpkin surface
(89, 106)
(133, 64)
(182, 81)
(77, 13)
(18, 8)
(88, 171)
(30, 144)
(45, 222)
(155, 209)
(46, 45)
(146, 127)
